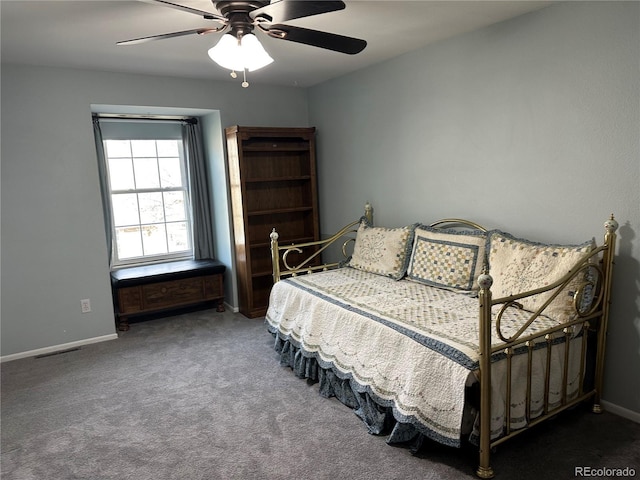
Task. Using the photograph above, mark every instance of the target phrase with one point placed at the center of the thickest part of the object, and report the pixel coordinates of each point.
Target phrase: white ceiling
(83, 34)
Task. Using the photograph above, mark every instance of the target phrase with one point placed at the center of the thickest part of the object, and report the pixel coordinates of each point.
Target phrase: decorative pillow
(380, 250)
(518, 265)
(449, 259)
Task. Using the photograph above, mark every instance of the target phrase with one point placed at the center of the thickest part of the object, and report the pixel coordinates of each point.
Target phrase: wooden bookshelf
(273, 185)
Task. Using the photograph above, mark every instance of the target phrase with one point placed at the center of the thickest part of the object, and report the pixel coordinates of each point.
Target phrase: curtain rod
(162, 118)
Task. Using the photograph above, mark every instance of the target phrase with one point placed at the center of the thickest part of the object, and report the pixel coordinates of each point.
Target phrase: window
(149, 195)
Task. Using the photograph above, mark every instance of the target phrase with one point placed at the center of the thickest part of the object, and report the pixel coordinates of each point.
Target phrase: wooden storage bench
(164, 287)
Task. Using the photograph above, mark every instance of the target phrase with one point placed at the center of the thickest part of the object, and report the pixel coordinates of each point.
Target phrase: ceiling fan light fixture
(226, 53)
(254, 54)
(244, 54)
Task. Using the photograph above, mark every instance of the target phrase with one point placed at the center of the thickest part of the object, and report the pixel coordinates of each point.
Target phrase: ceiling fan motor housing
(237, 13)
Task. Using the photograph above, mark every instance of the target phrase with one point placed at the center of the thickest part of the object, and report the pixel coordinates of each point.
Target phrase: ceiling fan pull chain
(233, 74)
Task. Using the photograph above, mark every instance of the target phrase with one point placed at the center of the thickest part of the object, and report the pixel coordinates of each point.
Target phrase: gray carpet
(202, 396)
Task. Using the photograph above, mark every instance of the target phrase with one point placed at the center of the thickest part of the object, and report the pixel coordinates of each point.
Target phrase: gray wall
(531, 126)
(53, 243)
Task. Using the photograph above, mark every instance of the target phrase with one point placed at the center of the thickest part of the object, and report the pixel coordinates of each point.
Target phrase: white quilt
(407, 343)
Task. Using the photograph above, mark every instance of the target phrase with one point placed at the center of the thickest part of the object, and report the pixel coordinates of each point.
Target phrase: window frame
(149, 259)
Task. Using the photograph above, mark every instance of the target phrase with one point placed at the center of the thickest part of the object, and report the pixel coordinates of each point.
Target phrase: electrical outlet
(85, 305)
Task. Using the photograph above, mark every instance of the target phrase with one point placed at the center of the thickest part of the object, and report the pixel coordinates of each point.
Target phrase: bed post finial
(368, 213)
(484, 279)
(611, 225)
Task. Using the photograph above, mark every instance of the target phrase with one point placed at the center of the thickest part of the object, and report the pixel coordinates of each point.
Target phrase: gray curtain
(200, 196)
(104, 188)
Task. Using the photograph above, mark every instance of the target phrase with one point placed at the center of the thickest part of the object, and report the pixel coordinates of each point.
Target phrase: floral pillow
(518, 265)
(447, 258)
(384, 251)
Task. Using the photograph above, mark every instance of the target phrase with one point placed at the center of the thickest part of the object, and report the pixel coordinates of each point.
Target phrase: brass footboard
(310, 251)
(591, 316)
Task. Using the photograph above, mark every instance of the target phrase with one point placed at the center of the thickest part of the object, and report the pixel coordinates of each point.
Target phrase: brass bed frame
(591, 302)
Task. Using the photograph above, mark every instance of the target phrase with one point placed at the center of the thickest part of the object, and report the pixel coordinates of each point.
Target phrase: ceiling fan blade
(198, 31)
(315, 38)
(202, 13)
(286, 10)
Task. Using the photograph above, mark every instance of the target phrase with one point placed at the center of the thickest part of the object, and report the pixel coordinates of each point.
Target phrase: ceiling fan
(239, 49)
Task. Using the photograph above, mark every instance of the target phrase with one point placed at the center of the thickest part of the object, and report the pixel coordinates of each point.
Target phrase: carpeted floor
(202, 396)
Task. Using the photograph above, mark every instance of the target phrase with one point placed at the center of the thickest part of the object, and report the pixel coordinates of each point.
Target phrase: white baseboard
(231, 308)
(620, 411)
(57, 348)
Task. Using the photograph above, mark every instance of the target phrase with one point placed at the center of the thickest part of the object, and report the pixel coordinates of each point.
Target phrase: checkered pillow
(447, 258)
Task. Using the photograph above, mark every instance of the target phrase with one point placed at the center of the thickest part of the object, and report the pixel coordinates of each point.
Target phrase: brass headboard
(280, 253)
